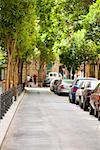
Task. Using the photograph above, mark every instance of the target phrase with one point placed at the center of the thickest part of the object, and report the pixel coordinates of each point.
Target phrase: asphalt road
(45, 121)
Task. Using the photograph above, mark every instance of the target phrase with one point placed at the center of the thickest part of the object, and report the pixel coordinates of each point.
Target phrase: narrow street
(45, 121)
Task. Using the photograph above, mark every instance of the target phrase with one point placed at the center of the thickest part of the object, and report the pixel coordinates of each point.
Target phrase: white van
(54, 75)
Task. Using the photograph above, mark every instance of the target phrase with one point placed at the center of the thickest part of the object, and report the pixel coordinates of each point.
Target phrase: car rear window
(92, 84)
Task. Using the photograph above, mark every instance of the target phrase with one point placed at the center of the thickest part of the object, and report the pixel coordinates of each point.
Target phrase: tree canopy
(84, 44)
(45, 29)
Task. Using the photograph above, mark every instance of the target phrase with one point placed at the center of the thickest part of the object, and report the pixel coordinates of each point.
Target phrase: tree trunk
(73, 71)
(69, 75)
(15, 70)
(10, 50)
(69, 72)
(40, 72)
(20, 69)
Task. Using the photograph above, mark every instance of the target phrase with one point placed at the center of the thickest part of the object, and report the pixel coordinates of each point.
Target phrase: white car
(79, 92)
(54, 83)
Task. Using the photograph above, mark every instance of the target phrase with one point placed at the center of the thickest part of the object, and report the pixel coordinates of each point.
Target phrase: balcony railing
(7, 99)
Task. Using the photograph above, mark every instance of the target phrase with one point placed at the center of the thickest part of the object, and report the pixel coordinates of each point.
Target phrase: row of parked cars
(82, 91)
(86, 93)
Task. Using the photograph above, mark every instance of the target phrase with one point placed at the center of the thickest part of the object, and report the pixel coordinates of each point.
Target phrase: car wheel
(99, 118)
(99, 115)
(77, 103)
(50, 89)
(96, 113)
(84, 106)
(91, 110)
(80, 103)
(59, 94)
(69, 99)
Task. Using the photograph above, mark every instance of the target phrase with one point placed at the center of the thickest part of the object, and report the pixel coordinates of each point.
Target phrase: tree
(92, 24)
(44, 36)
(15, 15)
(44, 29)
(81, 48)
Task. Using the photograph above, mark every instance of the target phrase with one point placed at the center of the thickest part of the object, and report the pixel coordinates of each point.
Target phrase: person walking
(31, 81)
(28, 80)
(35, 78)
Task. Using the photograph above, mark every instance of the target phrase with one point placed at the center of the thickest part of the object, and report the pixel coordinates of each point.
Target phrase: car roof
(86, 78)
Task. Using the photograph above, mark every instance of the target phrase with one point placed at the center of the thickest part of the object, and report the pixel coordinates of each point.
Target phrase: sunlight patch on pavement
(37, 89)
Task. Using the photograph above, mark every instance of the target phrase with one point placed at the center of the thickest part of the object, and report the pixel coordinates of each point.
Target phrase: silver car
(64, 87)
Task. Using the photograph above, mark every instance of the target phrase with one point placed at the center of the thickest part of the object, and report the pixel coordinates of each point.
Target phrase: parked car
(94, 108)
(54, 83)
(64, 87)
(79, 91)
(46, 82)
(76, 84)
(49, 77)
(87, 92)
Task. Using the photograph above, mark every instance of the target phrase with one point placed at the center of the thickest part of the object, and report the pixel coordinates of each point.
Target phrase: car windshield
(86, 83)
(48, 80)
(79, 82)
(94, 84)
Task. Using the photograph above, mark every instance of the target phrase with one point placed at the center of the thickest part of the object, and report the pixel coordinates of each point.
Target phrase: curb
(6, 121)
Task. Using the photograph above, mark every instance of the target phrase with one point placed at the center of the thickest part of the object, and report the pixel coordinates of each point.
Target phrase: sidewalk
(5, 122)
(30, 123)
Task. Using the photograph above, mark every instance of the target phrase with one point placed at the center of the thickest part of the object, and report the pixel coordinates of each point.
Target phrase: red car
(95, 102)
